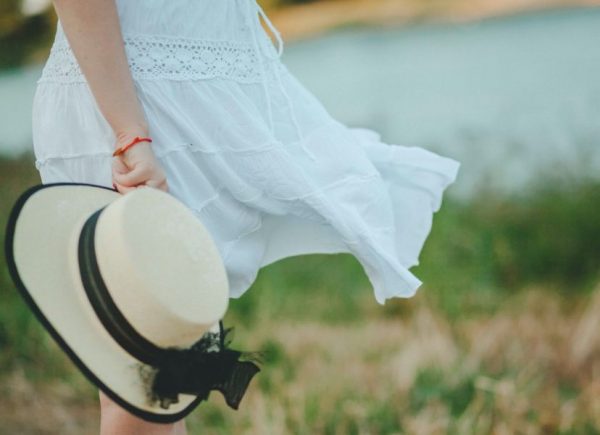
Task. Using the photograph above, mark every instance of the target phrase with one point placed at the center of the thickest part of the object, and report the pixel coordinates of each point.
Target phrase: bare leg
(114, 420)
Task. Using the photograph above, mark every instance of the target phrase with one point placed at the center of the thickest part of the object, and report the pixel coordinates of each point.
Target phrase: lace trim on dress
(153, 57)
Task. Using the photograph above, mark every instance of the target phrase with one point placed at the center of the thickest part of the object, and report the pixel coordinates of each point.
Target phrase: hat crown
(151, 251)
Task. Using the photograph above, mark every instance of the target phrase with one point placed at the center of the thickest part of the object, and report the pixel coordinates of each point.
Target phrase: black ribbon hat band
(168, 371)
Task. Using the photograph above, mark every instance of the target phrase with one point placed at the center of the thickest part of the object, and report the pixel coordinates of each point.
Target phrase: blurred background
(503, 337)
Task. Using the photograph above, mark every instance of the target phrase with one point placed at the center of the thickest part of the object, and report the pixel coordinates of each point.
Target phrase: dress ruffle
(265, 188)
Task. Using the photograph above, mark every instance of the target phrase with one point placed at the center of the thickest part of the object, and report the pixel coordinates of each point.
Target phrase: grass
(502, 338)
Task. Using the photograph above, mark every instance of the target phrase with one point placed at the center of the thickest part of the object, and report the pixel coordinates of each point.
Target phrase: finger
(160, 183)
(121, 188)
(125, 189)
(138, 175)
(118, 187)
(119, 165)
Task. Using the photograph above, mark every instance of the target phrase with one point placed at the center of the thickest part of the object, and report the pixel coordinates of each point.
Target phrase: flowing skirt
(246, 146)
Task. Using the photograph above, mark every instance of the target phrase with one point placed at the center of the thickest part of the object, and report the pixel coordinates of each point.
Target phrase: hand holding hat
(137, 166)
(132, 288)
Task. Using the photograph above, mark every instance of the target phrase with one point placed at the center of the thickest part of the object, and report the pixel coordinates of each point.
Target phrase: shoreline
(298, 22)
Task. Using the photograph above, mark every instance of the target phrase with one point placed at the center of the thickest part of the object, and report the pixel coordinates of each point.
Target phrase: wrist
(126, 147)
(128, 134)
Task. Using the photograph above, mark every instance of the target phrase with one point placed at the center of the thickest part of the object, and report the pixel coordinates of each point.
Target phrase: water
(511, 98)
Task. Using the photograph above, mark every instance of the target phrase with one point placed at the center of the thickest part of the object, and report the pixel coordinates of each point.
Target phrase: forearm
(93, 31)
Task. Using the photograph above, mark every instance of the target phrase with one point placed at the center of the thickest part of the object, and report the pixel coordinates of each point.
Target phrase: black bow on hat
(198, 371)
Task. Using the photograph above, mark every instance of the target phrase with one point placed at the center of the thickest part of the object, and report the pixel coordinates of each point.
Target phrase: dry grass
(532, 367)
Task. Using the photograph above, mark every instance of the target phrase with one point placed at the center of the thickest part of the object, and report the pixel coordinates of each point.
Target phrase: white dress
(250, 150)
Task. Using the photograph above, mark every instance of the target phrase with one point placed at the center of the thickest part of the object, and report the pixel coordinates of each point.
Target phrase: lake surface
(511, 98)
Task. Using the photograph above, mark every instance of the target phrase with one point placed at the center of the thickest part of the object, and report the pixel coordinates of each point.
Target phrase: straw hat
(132, 288)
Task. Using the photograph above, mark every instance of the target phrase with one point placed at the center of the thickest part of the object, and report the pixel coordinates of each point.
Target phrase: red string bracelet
(124, 148)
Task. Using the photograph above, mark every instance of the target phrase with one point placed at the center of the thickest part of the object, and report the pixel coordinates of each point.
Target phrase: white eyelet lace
(161, 57)
(153, 57)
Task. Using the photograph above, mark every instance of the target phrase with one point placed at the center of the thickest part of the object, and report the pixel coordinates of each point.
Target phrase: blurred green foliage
(24, 38)
(479, 257)
(477, 254)
(494, 246)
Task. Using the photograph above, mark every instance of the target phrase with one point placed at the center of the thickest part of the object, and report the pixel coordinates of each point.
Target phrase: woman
(235, 136)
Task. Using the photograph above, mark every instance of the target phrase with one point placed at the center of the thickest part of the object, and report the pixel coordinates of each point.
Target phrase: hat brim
(38, 245)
